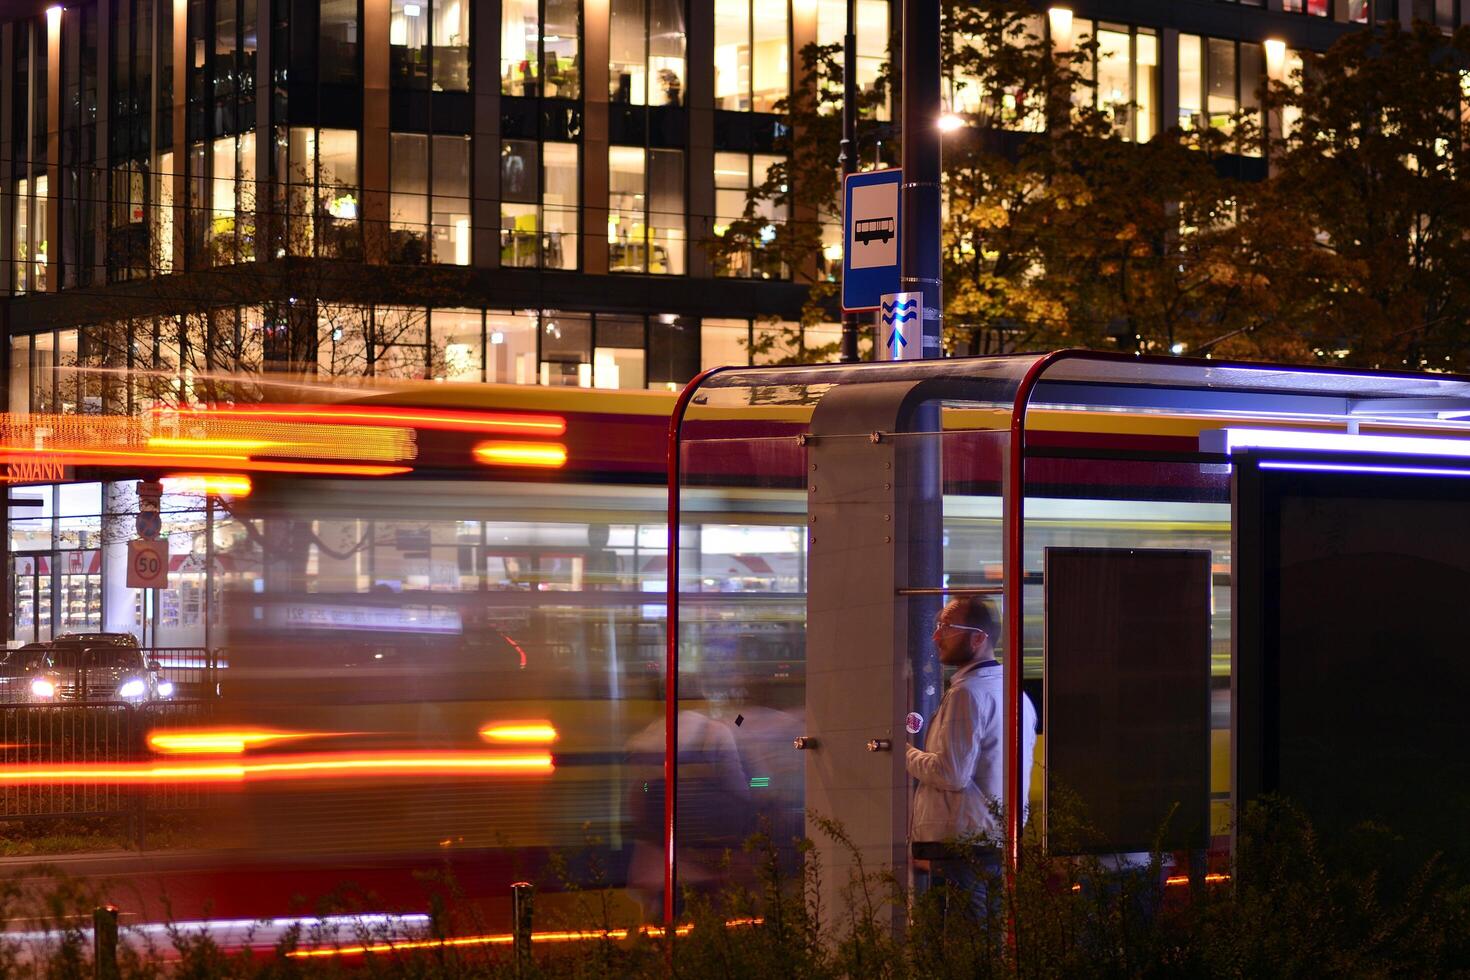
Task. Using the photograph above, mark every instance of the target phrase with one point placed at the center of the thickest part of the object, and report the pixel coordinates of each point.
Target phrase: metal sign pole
(848, 157)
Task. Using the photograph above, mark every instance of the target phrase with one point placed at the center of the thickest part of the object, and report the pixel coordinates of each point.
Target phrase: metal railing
(60, 761)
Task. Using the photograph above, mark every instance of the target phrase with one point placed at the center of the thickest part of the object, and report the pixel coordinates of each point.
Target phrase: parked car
(20, 669)
(100, 639)
(88, 672)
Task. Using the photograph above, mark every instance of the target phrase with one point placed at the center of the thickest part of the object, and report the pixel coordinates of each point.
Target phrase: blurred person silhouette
(957, 804)
(769, 720)
(713, 809)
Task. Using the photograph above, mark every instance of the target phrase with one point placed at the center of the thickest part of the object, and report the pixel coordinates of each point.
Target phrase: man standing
(959, 795)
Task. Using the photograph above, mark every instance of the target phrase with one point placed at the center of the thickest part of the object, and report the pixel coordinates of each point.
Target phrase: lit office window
(872, 38)
(1315, 8)
(338, 52)
(539, 53)
(400, 342)
(231, 230)
(646, 63)
(1008, 109)
(457, 349)
(1217, 78)
(510, 348)
(566, 349)
(20, 242)
(408, 207)
(736, 174)
(538, 211)
(160, 252)
(20, 375)
(723, 342)
(645, 223)
(41, 209)
(752, 56)
(1127, 80)
(450, 201)
(429, 44)
(342, 340)
(323, 208)
(619, 354)
(429, 219)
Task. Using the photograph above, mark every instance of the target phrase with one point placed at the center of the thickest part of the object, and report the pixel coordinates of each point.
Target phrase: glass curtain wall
(1125, 68)
(540, 52)
(646, 65)
(429, 44)
(430, 202)
(1218, 79)
(736, 174)
(872, 38)
(752, 54)
(539, 190)
(322, 192)
(646, 210)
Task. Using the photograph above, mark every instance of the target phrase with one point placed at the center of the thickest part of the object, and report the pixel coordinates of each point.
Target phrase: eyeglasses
(940, 625)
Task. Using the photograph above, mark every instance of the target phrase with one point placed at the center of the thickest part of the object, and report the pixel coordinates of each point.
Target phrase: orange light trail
(505, 939)
(324, 766)
(1210, 879)
(532, 732)
(221, 741)
(112, 457)
(212, 484)
(226, 445)
(448, 420)
(549, 455)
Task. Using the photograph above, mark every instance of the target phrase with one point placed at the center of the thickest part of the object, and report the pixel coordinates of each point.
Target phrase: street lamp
(1060, 21)
(949, 122)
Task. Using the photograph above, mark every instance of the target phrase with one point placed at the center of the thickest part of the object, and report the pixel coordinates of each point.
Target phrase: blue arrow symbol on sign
(897, 335)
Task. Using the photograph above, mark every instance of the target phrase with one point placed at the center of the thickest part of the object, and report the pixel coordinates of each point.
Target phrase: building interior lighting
(522, 732)
(546, 455)
(1059, 19)
(1229, 441)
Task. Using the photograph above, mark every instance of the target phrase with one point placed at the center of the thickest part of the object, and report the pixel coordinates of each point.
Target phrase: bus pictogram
(870, 230)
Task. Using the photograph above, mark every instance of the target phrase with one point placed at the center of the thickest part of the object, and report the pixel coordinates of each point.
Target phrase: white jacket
(960, 773)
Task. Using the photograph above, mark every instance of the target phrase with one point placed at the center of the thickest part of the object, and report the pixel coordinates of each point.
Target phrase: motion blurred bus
(442, 611)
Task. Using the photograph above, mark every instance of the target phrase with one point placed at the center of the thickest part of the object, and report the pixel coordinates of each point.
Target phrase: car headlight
(165, 689)
(134, 688)
(42, 688)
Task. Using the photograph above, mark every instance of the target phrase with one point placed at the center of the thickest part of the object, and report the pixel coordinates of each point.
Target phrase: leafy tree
(1369, 206)
(806, 186)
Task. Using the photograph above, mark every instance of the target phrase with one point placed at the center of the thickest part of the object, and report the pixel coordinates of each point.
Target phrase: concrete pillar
(8, 151)
(51, 281)
(375, 196)
(1275, 50)
(119, 504)
(699, 101)
(803, 33)
(595, 24)
(485, 167)
(1168, 78)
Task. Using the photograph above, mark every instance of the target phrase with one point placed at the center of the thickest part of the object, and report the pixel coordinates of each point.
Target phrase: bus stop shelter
(1195, 564)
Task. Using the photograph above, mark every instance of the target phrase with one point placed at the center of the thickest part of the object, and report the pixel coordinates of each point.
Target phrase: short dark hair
(976, 612)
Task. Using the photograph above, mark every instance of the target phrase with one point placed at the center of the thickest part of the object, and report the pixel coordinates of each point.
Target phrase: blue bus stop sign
(870, 223)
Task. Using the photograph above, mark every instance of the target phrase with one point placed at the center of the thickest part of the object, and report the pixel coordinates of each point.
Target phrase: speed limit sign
(147, 564)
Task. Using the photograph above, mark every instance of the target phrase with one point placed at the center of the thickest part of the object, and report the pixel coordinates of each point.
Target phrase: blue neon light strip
(1356, 468)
